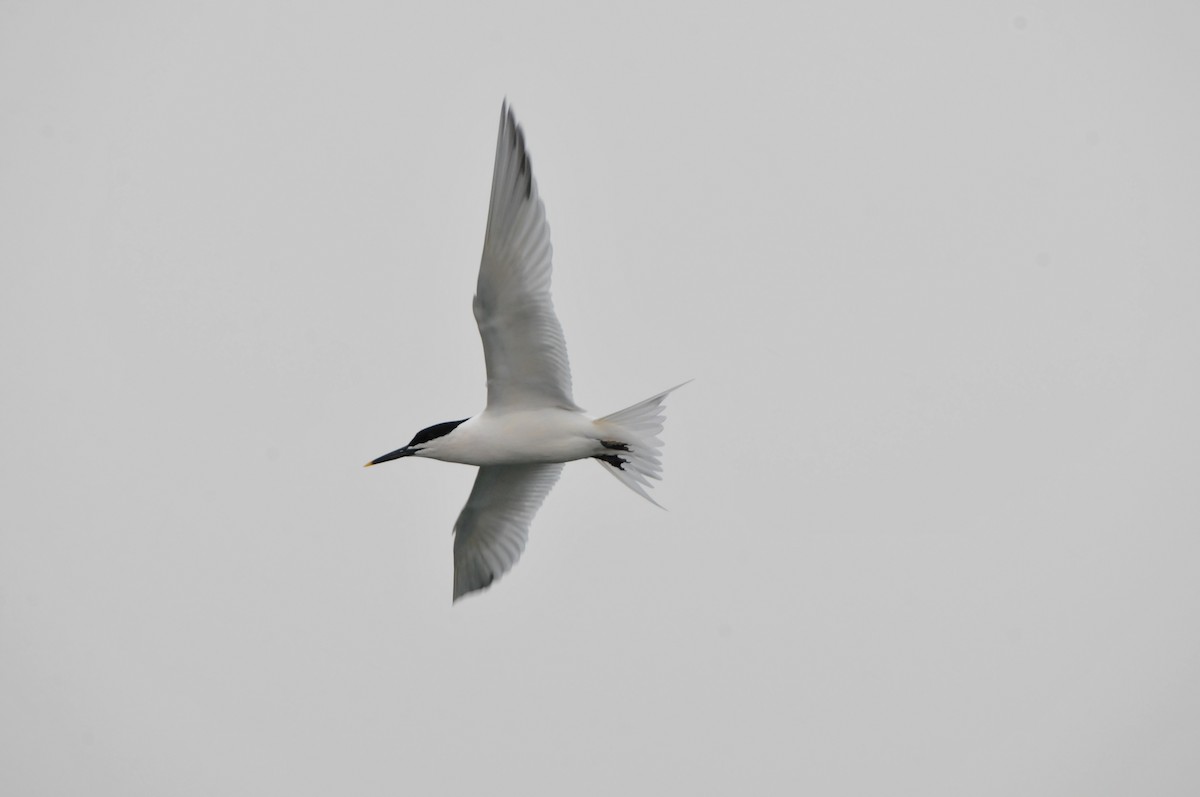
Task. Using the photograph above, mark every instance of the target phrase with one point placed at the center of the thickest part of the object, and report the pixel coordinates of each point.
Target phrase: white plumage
(531, 424)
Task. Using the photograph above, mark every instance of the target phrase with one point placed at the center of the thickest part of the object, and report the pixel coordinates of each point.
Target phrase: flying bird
(531, 424)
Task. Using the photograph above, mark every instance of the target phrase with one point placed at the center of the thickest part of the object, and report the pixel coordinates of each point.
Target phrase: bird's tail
(633, 450)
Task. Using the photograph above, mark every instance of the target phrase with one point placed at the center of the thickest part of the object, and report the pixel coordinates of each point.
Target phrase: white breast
(518, 437)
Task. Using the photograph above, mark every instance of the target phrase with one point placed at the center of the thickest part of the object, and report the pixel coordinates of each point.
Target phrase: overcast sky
(933, 527)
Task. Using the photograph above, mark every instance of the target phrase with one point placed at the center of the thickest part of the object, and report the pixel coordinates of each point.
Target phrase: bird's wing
(491, 530)
(523, 345)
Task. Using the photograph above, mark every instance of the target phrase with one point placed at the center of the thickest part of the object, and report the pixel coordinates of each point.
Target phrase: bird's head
(420, 444)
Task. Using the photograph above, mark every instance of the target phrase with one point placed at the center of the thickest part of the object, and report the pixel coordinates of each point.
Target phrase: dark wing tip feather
(524, 163)
(461, 591)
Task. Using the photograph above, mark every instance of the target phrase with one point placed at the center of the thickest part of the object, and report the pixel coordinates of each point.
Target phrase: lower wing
(492, 528)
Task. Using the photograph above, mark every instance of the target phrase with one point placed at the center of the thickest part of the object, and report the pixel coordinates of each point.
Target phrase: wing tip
(462, 590)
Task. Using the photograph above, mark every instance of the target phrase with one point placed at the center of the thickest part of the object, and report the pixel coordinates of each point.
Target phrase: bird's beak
(407, 451)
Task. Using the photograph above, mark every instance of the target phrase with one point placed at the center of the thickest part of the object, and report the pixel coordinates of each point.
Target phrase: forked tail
(633, 450)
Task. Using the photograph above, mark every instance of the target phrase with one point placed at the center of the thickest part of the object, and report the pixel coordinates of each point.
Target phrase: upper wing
(490, 533)
(523, 344)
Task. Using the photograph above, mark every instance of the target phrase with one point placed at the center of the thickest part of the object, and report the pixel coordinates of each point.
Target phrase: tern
(531, 425)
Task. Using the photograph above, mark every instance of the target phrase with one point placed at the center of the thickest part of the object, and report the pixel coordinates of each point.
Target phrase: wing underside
(523, 344)
(492, 528)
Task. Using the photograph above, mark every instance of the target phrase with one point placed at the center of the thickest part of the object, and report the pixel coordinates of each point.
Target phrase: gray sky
(933, 520)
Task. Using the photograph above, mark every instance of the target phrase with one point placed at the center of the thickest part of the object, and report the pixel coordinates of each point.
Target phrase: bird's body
(531, 424)
(544, 435)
